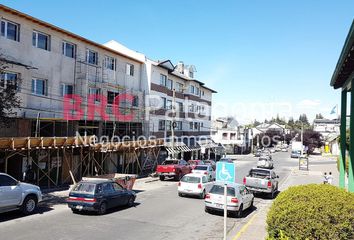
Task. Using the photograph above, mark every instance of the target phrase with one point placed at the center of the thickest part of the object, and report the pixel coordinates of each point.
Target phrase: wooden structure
(52, 158)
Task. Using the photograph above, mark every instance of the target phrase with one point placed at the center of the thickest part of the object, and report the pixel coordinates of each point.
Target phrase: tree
(303, 119)
(291, 122)
(319, 116)
(9, 99)
(311, 139)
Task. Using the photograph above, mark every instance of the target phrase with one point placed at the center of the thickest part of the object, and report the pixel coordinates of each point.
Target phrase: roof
(177, 74)
(327, 121)
(167, 64)
(55, 28)
(345, 65)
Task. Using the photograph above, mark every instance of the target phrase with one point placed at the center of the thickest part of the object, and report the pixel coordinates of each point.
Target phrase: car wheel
(202, 195)
(162, 178)
(29, 205)
(271, 195)
(180, 194)
(251, 206)
(239, 213)
(131, 202)
(178, 177)
(103, 208)
(75, 211)
(206, 210)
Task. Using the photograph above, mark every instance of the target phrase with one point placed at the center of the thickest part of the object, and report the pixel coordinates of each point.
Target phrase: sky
(262, 57)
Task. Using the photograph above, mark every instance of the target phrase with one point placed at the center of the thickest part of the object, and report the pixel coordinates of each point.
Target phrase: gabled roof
(167, 64)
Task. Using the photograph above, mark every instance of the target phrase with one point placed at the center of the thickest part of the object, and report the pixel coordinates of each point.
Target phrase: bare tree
(9, 99)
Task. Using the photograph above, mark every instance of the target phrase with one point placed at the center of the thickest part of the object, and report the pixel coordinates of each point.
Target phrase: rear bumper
(83, 206)
(264, 190)
(220, 207)
(191, 193)
(167, 174)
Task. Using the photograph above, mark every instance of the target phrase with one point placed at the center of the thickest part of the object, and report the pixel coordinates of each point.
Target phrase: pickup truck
(262, 181)
(173, 168)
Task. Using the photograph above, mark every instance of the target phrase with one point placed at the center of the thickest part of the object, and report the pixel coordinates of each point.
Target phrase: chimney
(180, 67)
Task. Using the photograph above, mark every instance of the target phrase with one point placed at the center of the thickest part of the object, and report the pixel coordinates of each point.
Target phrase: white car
(206, 170)
(239, 198)
(194, 185)
(265, 162)
(18, 195)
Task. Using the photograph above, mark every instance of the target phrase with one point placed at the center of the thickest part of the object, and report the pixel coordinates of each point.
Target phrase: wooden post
(351, 146)
(343, 139)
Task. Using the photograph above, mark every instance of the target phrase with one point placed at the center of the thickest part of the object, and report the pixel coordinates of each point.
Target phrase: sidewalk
(255, 228)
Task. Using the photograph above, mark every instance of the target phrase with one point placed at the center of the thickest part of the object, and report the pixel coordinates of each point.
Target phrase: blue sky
(263, 57)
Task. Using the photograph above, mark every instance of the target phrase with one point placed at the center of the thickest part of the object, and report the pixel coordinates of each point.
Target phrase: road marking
(244, 228)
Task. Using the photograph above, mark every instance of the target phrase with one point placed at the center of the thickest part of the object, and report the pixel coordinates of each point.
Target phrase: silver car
(239, 198)
(17, 195)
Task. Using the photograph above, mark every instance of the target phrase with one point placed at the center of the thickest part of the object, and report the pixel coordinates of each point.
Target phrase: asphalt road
(159, 214)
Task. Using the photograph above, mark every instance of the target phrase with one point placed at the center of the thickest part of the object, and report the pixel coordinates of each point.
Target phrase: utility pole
(302, 139)
(173, 123)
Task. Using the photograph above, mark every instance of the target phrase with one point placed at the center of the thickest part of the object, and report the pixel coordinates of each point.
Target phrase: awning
(207, 144)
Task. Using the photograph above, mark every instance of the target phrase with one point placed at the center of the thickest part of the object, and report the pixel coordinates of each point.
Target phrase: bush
(312, 212)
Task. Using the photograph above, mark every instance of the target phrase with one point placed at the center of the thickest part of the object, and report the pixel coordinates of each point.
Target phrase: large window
(111, 96)
(169, 125)
(130, 69)
(180, 107)
(40, 86)
(67, 89)
(163, 79)
(178, 87)
(169, 104)
(179, 125)
(162, 125)
(8, 79)
(96, 92)
(191, 89)
(68, 49)
(164, 105)
(91, 57)
(110, 63)
(10, 30)
(169, 84)
(41, 40)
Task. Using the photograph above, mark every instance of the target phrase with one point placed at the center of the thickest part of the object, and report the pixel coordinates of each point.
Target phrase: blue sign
(225, 172)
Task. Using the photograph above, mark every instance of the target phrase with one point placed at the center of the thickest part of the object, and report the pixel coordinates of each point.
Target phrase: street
(158, 214)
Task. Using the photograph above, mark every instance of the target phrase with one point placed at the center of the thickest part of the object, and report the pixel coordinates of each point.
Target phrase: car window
(204, 179)
(218, 189)
(85, 187)
(117, 187)
(170, 162)
(203, 168)
(7, 181)
(190, 179)
(243, 190)
(107, 188)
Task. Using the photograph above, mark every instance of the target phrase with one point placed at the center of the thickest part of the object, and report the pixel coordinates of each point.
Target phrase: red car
(194, 163)
(173, 168)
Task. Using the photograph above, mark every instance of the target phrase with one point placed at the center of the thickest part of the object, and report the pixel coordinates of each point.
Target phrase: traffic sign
(225, 172)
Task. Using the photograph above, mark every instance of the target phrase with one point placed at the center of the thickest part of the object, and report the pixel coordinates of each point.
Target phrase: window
(135, 102)
(6, 181)
(178, 87)
(39, 86)
(110, 63)
(179, 106)
(163, 79)
(40, 40)
(169, 125)
(111, 96)
(117, 187)
(162, 125)
(96, 92)
(68, 49)
(169, 104)
(10, 30)
(191, 74)
(130, 69)
(196, 126)
(191, 108)
(91, 57)
(202, 93)
(224, 136)
(191, 125)
(163, 102)
(233, 136)
(169, 84)
(191, 89)
(179, 125)
(8, 79)
(197, 91)
(67, 89)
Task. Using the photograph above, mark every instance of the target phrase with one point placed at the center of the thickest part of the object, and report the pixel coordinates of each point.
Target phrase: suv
(18, 195)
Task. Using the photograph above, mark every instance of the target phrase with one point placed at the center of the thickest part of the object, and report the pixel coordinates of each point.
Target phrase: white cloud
(307, 103)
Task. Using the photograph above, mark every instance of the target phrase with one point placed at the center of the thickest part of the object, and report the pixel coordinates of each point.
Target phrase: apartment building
(49, 62)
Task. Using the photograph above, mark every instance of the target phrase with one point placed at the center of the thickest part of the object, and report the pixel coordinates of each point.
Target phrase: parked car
(229, 160)
(265, 162)
(195, 185)
(266, 155)
(284, 149)
(295, 154)
(258, 153)
(206, 170)
(262, 181)
(272, 150)
(173, 168)
(194, 163)
(239, 198)
(99, 195)
(210, 162)
(18, 195)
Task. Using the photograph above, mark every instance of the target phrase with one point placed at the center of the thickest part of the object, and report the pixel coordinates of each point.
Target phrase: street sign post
(226, 173)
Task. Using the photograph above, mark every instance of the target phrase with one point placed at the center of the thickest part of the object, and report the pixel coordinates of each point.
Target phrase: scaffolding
(53, 158)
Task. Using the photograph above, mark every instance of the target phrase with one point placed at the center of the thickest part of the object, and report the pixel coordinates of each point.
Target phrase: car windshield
(193, 162)
(170, 162)
(204, 168)
(85, 187)
(258, 173)
(217, 189)
(190, 179)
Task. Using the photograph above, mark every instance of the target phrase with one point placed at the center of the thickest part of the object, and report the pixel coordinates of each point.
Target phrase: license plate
(219, 205)
(79, 207)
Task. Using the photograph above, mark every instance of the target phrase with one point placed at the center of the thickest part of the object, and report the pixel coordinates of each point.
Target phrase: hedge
(314, 211)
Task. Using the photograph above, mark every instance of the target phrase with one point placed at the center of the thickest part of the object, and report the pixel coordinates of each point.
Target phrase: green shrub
(312, 212)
